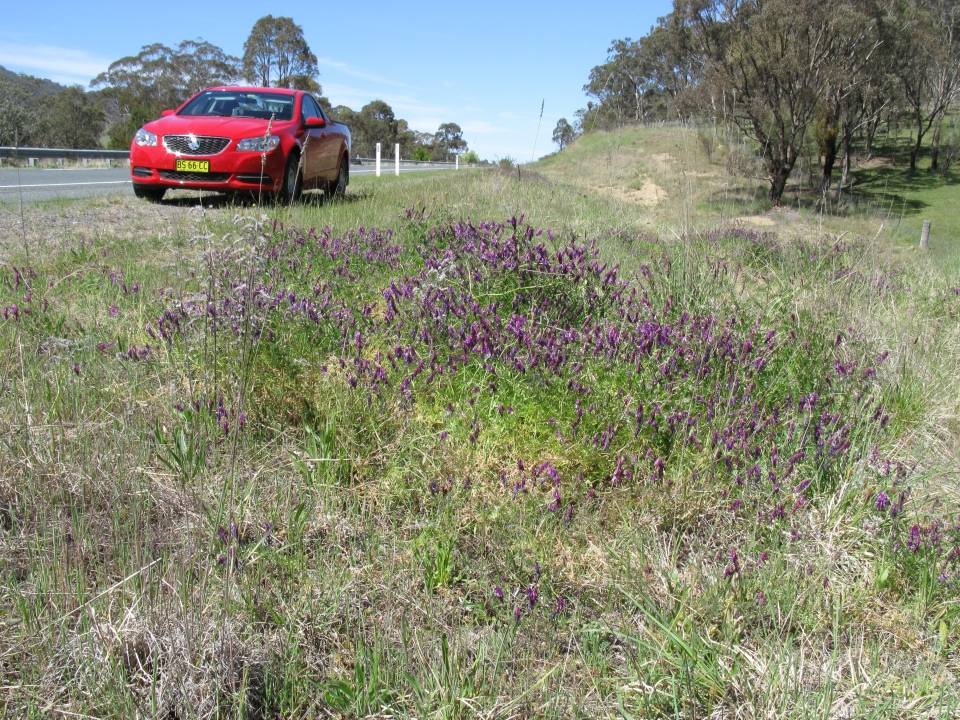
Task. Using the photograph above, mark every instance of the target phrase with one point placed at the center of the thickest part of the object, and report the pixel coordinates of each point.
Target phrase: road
(35, 184)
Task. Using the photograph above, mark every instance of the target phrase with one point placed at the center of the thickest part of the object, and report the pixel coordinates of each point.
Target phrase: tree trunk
(914, 152)
(778, 183)
(935, 145)
(829, 158)
(869, 131)
(847, 147)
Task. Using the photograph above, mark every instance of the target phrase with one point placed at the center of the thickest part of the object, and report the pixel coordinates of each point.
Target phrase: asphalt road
(34, 184)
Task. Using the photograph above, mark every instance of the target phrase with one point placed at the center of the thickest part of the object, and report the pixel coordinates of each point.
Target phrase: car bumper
(229, 170)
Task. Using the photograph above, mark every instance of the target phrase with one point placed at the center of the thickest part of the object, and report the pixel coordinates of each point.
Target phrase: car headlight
(145, 138)
(264, 143)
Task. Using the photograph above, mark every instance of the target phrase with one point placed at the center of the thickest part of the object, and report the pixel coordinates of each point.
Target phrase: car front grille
(193, 176)
(180, 144)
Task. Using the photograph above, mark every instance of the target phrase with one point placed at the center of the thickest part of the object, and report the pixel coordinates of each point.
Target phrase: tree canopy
(139, 86)
(787, 72)
(276, 54)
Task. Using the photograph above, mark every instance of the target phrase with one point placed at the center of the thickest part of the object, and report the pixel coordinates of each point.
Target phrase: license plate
(193, 166)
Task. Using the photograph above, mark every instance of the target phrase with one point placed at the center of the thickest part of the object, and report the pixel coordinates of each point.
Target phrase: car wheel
(153, 194)
(292, 186)
(338, 188)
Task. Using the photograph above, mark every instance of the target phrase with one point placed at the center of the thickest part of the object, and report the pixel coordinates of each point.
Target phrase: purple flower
(883, 502)
(114, 311)
(532, 595)
(516, 613)
(498, 592)
(913, 543)
(734, 567)
(561, 605)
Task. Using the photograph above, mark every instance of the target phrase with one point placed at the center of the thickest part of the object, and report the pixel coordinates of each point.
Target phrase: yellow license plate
(193, 166)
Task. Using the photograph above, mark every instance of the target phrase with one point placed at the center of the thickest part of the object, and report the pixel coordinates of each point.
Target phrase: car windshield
(231, 103)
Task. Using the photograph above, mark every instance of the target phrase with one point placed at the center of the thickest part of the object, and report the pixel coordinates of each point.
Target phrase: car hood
(231, 127)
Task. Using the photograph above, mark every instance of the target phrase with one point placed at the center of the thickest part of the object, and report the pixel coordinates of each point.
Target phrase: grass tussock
(476, 446)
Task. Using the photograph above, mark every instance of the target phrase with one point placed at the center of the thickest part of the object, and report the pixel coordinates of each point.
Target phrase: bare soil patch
(649, 194)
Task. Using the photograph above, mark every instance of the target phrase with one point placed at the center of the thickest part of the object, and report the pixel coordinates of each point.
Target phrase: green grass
(372, 594)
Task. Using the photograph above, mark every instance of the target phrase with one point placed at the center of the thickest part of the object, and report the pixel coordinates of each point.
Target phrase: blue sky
(486, 66)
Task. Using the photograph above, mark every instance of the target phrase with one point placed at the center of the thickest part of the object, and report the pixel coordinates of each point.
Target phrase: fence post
(378, 159)
(925, 233)
(397, 162)
(456, 162)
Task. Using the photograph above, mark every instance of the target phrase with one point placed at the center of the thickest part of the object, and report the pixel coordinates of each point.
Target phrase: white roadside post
(378, 159)
(457, 161)
(396, 170)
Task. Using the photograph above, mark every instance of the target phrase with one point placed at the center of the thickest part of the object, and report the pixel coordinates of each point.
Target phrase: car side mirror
(167, 113)
(314, 122)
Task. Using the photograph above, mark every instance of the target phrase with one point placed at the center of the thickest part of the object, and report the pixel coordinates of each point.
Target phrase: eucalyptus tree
(777, 61)
(563, 133)
(139, 86)
(276, 54)
(928, 64)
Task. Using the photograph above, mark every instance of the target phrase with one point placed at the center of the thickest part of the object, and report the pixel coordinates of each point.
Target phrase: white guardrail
(32, 154)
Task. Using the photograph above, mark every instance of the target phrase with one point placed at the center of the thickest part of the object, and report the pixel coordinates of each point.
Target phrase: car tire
(338, 188)
(145, 192)
(292, 186)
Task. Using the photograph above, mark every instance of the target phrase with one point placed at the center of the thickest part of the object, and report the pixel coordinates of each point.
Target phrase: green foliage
(20, 115)
(447, 142)
(438, 569)
(421, 153)
(563, 133)
(71, 118)
(158, 78)
(277, 55)
(470, 157)
(75, 120)
(182, 454)
(320, 462)
(372, 687)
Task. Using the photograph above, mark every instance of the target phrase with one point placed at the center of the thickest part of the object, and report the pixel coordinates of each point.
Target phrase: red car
(246, 139)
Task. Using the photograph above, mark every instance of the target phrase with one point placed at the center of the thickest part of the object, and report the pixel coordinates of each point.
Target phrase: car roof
(244, 88)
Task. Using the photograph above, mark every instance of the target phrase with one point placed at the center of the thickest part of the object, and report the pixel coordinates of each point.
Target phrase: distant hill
(36, 85)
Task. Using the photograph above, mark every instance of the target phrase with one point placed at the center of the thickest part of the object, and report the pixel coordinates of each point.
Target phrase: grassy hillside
(667, 175)
(477, 445)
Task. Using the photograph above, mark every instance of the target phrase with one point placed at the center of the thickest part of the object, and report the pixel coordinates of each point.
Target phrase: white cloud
(347, 70)
(63, 65)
